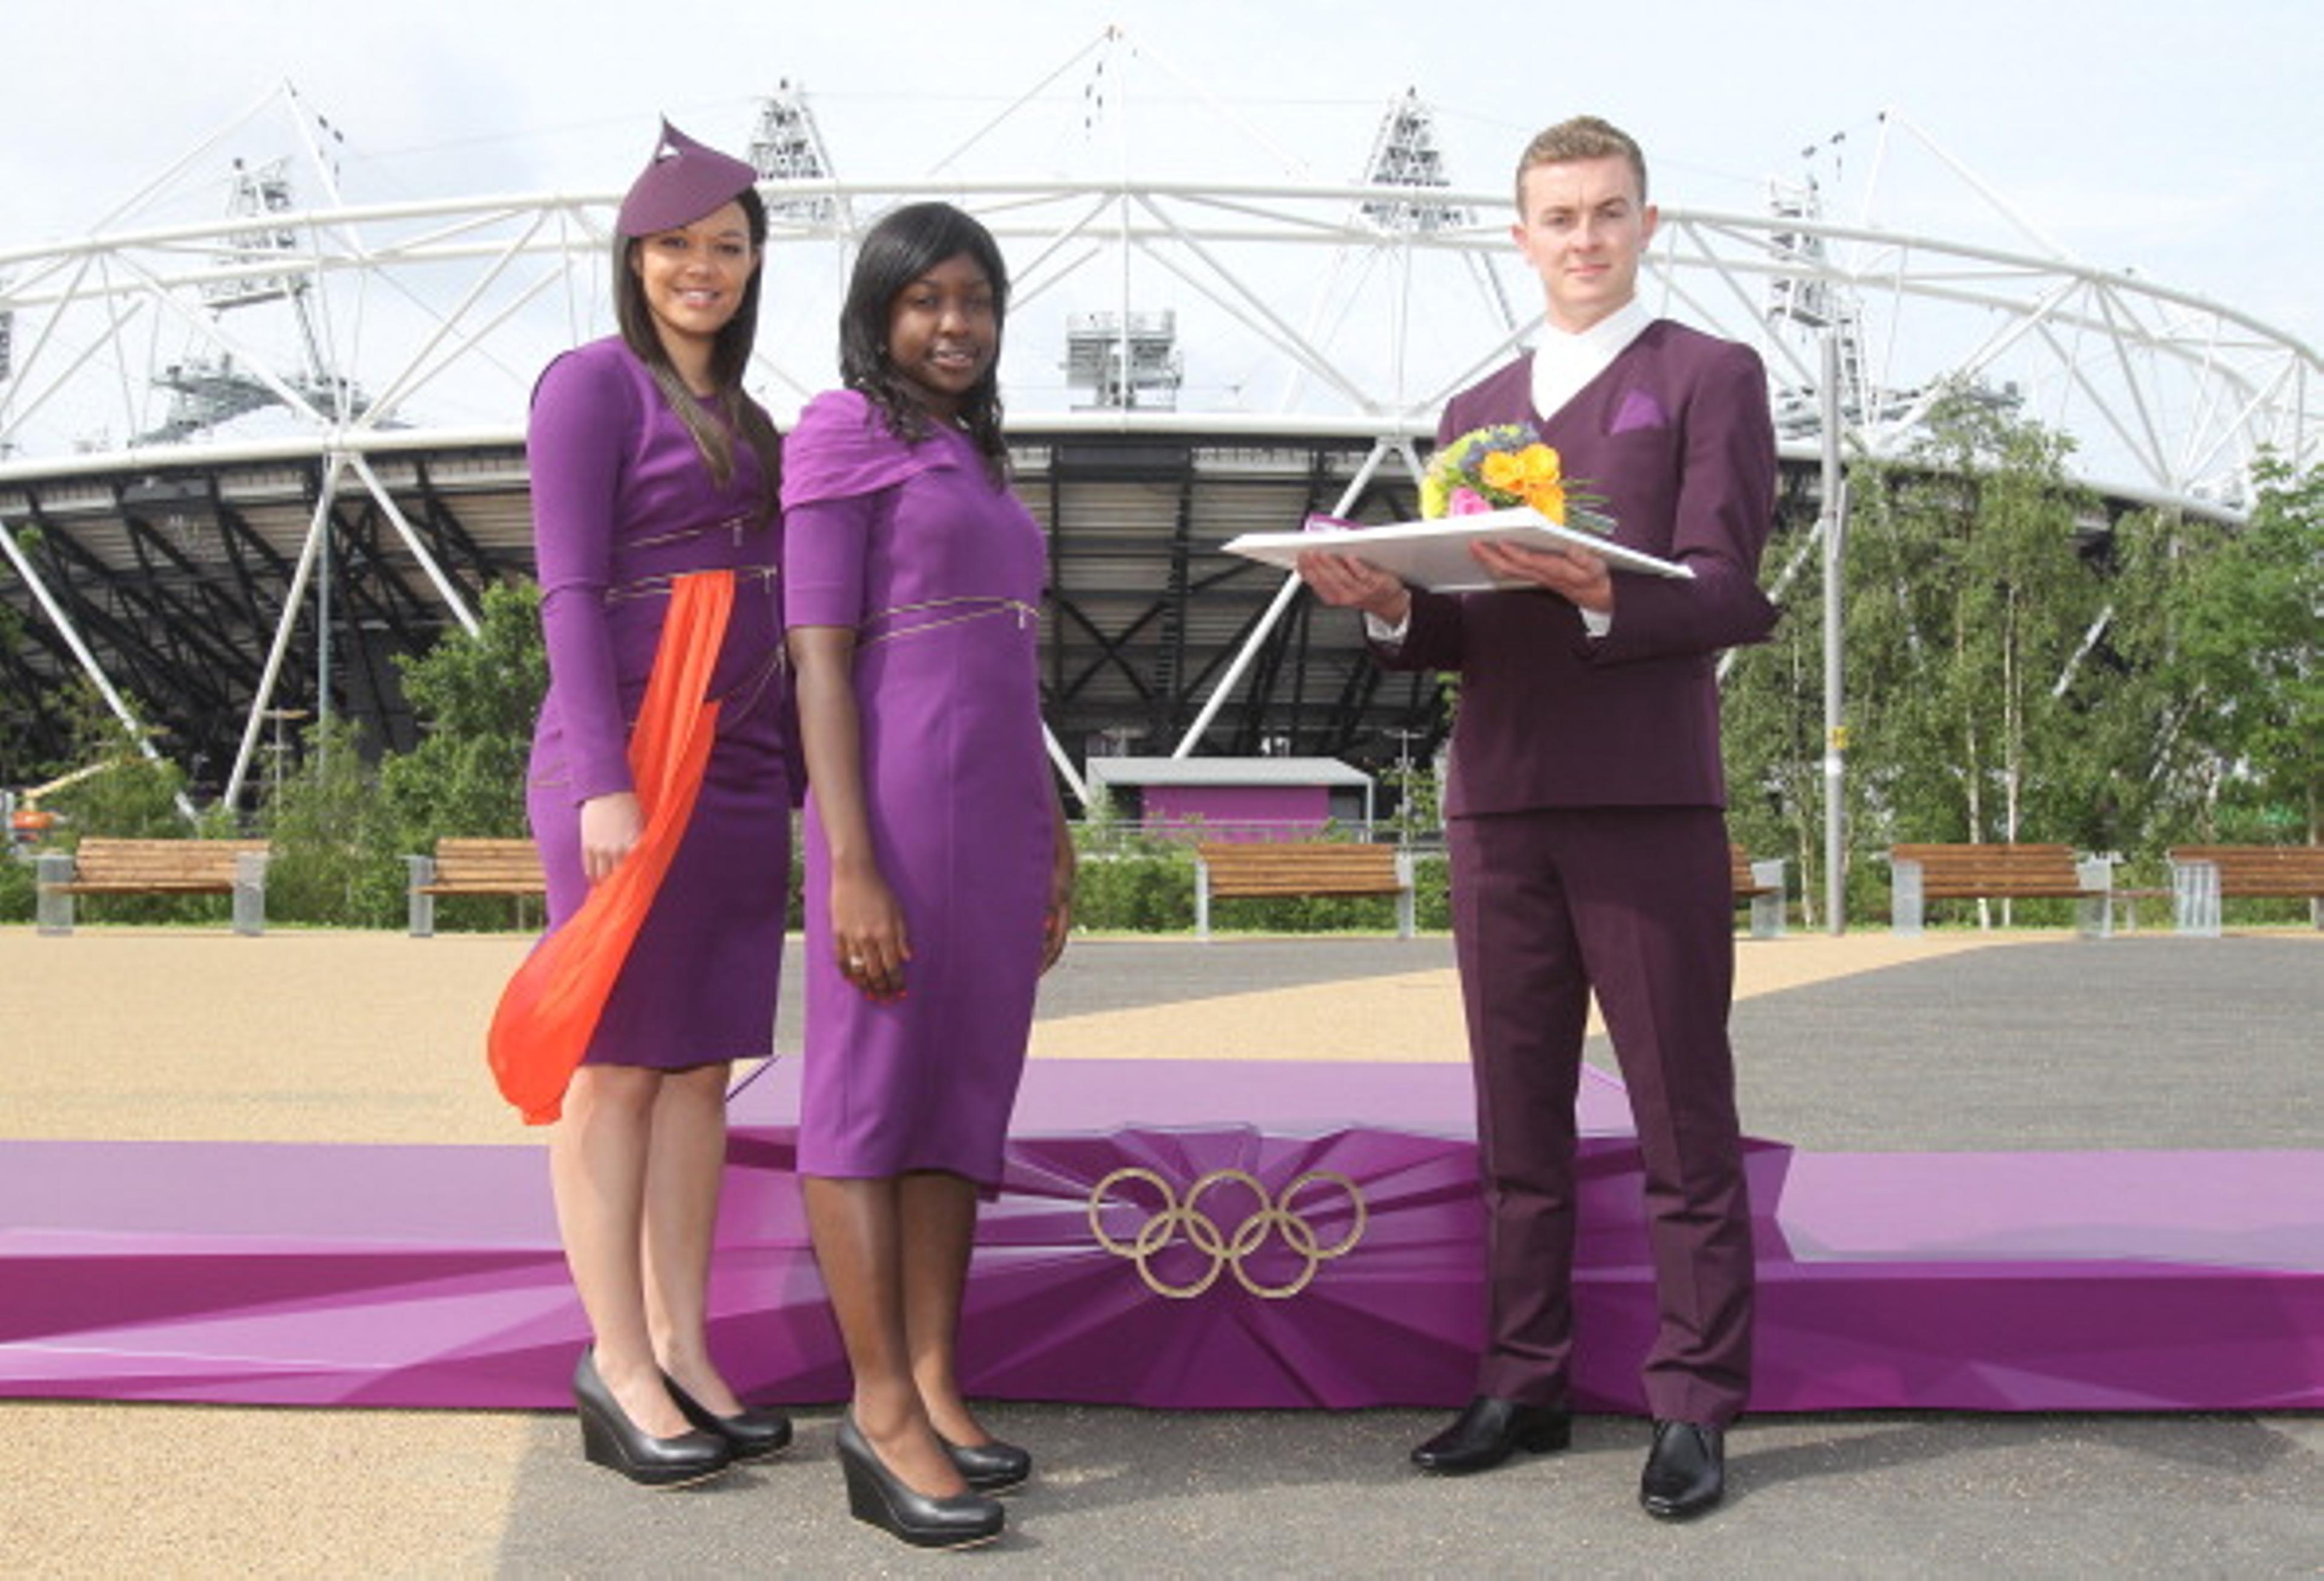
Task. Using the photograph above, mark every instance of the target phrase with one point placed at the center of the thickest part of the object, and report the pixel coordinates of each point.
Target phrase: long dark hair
(730, 355)
(906, 244)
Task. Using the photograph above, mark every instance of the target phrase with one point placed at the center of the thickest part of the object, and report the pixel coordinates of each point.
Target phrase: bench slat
(2260, 872)
(1259, 870)
(1249, 870)
(477, 865)
(107, 865)
(1924, 873)
(473, 865)
(147, 886)
(1953, 872)
(1741, 879)
(1293, 885)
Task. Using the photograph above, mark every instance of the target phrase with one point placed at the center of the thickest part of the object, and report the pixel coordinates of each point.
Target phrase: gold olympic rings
(1273, 1216)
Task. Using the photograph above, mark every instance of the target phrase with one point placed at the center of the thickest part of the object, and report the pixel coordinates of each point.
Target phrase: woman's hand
(1057, 921)
(610, 826)
(868, 934)
(869, 942)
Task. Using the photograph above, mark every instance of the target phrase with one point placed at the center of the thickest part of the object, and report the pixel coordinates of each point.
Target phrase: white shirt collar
(1564, 363)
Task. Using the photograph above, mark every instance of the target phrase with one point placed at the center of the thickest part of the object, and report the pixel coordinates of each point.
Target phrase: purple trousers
(1637, 904)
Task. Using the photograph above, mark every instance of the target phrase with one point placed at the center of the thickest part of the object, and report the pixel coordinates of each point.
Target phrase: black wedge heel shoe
(878, 1497)
(990, 1468)
(609, 1439)
(750, 1434)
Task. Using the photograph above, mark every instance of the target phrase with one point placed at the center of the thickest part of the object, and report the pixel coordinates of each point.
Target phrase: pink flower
(1468, 502)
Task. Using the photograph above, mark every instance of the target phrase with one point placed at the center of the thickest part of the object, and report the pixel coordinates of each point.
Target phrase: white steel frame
(456, 302)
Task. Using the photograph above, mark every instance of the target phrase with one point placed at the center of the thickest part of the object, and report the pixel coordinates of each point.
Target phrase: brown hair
(730, 355)
(1582, 137)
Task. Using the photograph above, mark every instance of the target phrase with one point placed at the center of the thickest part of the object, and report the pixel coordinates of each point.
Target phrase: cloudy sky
(2130, 134)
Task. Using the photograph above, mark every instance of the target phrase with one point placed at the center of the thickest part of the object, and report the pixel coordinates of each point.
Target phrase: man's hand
(1574, 575)
(1348, 583)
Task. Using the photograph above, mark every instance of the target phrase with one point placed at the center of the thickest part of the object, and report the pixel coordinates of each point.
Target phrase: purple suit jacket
(1675, 434)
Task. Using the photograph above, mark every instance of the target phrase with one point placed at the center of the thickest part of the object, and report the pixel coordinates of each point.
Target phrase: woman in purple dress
(939, 872)
(649, 462)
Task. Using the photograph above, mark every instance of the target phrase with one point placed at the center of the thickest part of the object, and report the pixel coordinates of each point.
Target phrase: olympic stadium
(250, 454)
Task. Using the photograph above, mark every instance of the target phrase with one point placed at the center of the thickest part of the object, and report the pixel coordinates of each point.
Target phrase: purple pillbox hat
(683, 181)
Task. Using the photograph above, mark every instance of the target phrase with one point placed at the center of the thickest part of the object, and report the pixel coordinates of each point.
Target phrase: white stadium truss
(339, 341)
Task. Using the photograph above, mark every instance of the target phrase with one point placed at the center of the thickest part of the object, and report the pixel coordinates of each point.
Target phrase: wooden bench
(1921, 874)
(108, 866)
(2202, 876)
(1761, 886)
(1261, 867)
(472, 867)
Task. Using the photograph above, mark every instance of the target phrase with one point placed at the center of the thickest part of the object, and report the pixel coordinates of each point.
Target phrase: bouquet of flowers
(1494, 468)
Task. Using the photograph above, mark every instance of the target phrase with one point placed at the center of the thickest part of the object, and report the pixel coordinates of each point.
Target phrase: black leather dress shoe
(750, 1434)
(609, 1438)
(993, 1467)
(1686, 1471)
(1489, 1431)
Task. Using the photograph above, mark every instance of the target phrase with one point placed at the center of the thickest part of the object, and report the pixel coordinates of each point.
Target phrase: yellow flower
(1548, 498)
(1501, 470)
(1541, 464)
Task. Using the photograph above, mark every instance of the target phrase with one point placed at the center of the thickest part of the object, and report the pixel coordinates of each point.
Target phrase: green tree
(128, 794)
(125, 794)
(2122, 780)
(1966, 604)
(2247, 658)
(477, 698)
(1771, 706)
(331, 838)
(1999, 673)
(1419, 799)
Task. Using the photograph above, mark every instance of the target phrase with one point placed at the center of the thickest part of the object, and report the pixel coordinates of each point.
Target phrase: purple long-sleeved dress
(623, 503)
(939, 571)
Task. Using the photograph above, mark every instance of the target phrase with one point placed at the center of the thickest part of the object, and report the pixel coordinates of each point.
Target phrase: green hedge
(16, 890)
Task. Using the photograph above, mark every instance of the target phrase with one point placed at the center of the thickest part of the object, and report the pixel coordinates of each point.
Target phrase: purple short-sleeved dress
(940, 572)
(623, 503)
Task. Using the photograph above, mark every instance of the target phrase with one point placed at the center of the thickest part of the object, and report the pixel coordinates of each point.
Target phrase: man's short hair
(1582, 137)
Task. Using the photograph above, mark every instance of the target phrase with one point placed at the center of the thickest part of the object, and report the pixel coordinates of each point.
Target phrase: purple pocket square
(1638, 411)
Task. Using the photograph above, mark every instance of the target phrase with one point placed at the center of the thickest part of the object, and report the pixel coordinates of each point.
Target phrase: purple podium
(1323, 1248)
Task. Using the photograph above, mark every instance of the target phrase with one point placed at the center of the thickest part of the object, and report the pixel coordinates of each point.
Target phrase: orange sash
(549, 1010)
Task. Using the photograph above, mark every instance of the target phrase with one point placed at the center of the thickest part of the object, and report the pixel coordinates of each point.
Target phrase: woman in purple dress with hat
(649, 463)
(939, 872)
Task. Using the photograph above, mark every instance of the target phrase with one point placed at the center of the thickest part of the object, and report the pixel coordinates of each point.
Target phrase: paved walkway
(1867, 1043)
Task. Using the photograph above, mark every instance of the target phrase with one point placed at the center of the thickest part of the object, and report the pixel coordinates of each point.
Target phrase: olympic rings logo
(1274, 1217)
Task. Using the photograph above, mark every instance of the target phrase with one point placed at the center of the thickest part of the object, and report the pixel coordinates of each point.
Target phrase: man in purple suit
(1585, 818)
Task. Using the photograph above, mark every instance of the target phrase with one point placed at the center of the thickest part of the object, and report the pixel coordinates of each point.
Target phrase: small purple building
(1235, 799)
